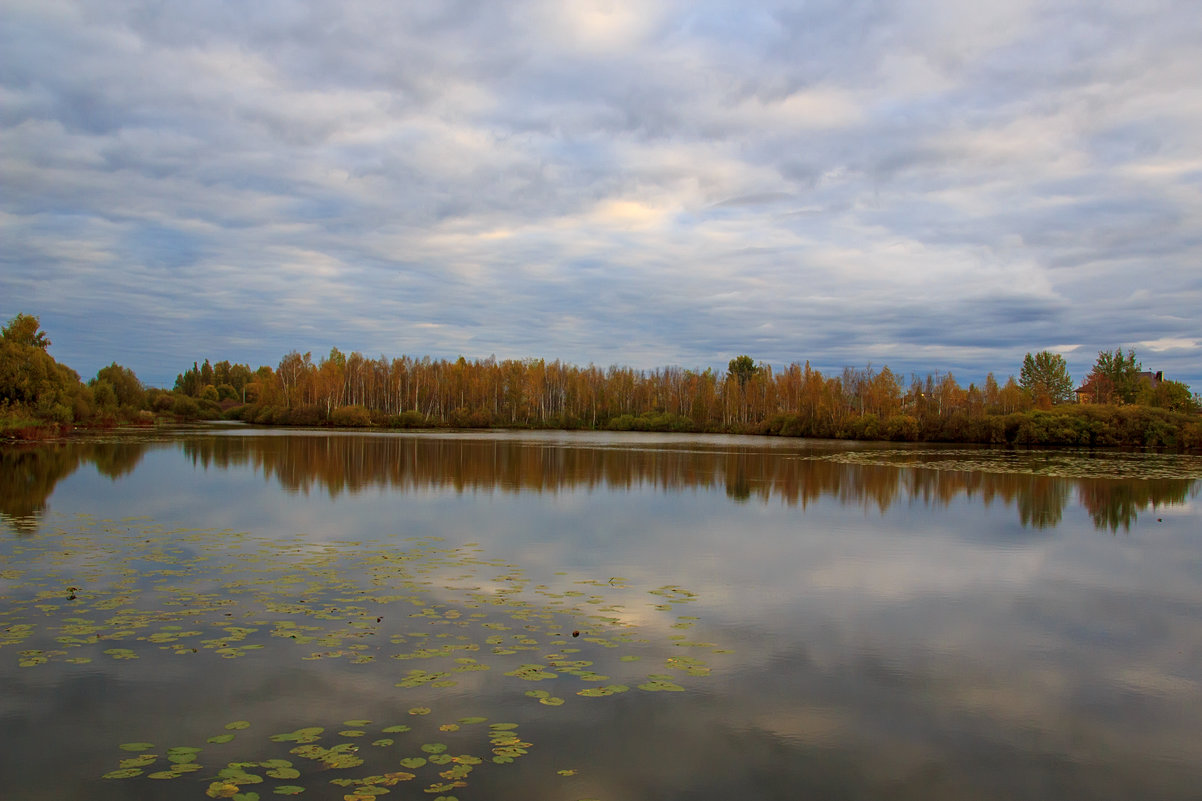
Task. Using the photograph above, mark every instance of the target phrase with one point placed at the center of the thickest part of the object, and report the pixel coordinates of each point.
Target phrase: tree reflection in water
(337, 463)
(29, 473)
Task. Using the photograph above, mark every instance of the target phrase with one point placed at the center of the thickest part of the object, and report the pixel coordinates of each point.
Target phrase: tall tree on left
(31, 379)
(24, 330)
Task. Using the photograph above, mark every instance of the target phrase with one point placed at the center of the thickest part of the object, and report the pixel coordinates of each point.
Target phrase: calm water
(753, 618)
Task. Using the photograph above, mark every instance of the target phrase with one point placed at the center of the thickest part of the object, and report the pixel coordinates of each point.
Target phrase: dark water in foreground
(564, 617)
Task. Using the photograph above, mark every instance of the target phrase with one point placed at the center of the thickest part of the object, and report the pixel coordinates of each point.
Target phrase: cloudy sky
(929, 184)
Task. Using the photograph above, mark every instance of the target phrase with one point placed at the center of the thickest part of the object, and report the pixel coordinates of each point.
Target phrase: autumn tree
(127, 389)
(30, 378)
(293, 373)
(24, 330)
(1010, 396)
(1115, 377)
(1046, 375)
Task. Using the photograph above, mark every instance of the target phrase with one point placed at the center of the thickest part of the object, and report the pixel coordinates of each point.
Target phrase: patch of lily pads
(427, 614)
(1043, 462)
(315, 763)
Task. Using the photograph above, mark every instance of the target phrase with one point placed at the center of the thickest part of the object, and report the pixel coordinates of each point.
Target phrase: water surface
(789, 618)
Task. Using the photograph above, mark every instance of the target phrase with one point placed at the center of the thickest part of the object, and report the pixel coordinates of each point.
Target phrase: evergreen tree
(1046, 375)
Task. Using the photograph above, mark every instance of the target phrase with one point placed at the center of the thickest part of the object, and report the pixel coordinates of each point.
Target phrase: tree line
(749, 397)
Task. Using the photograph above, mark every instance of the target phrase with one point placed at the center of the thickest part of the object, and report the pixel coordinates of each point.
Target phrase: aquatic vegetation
(1045, 462)
(126, 590)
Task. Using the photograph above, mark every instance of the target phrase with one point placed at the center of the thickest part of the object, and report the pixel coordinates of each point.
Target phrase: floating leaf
(139, 762)
(234, 774)
(136, 746)
(531, 673)
(306, 735)
(599, 692)
(660, 684)
(238, 725)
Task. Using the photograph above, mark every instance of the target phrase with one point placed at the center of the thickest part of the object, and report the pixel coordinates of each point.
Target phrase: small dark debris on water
(576, 633)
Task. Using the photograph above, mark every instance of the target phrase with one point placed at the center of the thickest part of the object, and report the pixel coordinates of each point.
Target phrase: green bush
(901, 428)
(351, 417)
(185, 408)
(409, 419)
(209, 410)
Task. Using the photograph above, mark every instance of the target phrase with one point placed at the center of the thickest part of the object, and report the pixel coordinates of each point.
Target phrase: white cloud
(1169, 343)
(942, 187)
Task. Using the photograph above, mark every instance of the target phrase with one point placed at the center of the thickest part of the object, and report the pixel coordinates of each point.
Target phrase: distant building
(1095, 389)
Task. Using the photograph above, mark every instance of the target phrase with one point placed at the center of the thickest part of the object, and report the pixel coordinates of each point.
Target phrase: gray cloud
(918, 185)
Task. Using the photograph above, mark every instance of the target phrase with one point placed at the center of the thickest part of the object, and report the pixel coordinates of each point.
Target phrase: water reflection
(28, 476)
(30, 473)
(304, 462)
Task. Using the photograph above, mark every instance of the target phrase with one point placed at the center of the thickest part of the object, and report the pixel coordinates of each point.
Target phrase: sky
(924, 184)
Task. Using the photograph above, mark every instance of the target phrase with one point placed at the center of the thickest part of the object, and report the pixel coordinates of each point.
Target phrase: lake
(228, 612)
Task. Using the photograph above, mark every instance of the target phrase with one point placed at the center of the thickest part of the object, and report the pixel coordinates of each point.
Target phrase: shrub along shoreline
(1093, 426)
